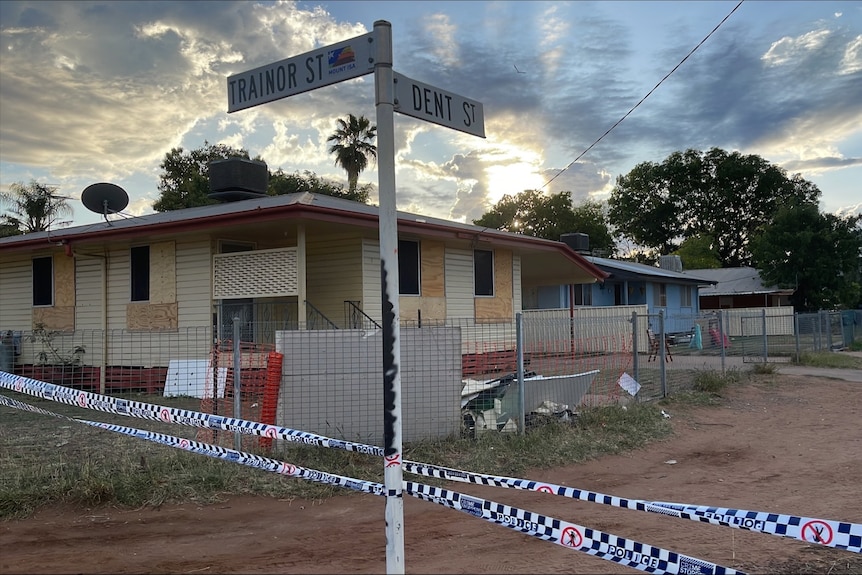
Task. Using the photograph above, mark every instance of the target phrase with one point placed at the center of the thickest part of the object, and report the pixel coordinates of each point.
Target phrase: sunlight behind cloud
(511, 179)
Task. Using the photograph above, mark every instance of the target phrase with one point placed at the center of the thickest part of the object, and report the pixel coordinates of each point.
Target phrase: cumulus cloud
(788, 49)
(103, 91)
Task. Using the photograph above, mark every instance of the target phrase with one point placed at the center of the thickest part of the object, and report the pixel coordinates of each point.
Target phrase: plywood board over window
(163, 273)
(431, 304)
(501, 306)
(433, 274)
(161, 310)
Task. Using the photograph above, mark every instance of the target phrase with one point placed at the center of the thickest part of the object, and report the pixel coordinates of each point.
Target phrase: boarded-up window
(483, 272)
(43, 281)
(140, 273)
(408, 267)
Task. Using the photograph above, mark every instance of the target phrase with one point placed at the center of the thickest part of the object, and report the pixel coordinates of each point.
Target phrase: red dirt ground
(787, 444)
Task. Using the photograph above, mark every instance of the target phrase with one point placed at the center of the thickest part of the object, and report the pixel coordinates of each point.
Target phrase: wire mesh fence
(459, 376)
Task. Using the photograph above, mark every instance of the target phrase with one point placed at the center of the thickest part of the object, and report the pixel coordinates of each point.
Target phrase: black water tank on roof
(237, 179)
(577, 241)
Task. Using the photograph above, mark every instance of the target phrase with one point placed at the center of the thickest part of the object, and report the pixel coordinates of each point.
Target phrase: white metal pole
(392, 456)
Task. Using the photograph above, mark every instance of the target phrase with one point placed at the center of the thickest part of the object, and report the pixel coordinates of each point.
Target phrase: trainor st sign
(425, 102)
(327, 65)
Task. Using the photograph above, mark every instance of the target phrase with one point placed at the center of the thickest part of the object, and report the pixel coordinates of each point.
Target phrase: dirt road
(787, 444)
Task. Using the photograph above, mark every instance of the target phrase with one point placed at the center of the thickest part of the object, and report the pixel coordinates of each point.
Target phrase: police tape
(830, 533)
(838, 534)
(570, 535)
(154, 412)
(602, 545)
(216, 451)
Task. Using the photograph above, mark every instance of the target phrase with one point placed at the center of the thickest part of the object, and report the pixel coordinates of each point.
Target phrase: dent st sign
(431, 104)
(309, 71)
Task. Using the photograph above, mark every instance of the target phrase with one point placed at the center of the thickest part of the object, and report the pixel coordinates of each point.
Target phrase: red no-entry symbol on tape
(571, 537)
(817, 532)
(545, 489)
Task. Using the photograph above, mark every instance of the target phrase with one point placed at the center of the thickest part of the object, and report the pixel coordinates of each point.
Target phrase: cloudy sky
(101, 91)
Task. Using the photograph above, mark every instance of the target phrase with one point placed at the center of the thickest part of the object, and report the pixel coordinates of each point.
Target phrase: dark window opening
(483, 272)
(140, 274)
(408, 267)
(43, 281)
(583, 294)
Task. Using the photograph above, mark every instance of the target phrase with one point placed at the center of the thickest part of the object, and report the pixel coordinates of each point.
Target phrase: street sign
(328, 65)
(432, 104)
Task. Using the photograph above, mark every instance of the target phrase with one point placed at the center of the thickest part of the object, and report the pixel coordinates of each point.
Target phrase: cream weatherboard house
(293, 262)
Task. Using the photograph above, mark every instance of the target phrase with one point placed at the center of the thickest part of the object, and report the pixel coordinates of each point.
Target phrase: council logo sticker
(571, 537)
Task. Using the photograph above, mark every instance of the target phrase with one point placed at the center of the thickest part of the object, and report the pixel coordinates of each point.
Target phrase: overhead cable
(582, 154)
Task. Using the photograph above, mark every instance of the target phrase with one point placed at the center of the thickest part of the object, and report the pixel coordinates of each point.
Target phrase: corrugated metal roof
(734, 281)
(625, 270)
(251, 210)
(189, 215)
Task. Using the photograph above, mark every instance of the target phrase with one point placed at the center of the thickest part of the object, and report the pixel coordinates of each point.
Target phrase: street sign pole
(335, 63)
(388, 229)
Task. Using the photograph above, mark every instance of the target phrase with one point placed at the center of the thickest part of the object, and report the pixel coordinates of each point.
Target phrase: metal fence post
(635, 363)
(819, 340)
(722, 335)
(237, 373)
(796, 335)
(519, 344)
(763, 327)
(662, 351)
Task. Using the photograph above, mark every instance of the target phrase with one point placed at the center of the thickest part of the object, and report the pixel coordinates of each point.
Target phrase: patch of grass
(594, 432)
(711, 381)
(45, 461)
(704, 389)
(764, 368)
(856, 345)
(692, 398)
(829, 359)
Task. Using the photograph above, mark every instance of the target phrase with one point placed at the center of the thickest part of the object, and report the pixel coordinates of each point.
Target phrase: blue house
(665, 288)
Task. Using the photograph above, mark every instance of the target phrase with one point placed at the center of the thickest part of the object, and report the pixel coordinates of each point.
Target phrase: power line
(681, 62)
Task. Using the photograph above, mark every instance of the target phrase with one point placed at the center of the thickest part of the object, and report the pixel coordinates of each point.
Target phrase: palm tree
(353, 147)
(34, 208)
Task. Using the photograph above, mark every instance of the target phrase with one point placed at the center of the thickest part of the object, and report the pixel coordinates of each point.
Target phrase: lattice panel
(259, 273)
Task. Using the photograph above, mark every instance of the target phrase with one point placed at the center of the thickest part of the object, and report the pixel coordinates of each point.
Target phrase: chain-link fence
(458, 377)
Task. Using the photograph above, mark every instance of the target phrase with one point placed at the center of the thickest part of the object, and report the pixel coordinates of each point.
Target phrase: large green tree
(549, 216)
(281, 183)
(729, 197)
(352, 146)
(184, 182)
(32, 208)
(817, 254)
(697, 253)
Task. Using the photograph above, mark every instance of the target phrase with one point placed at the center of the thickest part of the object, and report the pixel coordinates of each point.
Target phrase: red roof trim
(302, 210)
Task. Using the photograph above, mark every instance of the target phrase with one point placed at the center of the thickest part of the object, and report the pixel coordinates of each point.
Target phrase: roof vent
(577, 241)
(671, 263)
(237, 179)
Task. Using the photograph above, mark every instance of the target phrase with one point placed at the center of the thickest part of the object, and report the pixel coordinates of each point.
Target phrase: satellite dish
(104, 198)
